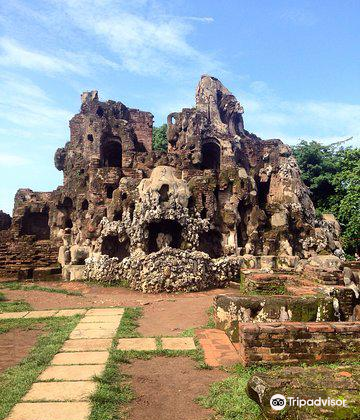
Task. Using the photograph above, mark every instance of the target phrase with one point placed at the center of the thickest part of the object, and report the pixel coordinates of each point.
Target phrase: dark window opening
(67, 204)
(68, 224)
(203, 213)
(81, 171)
(210, 243)
(109, 191)
(112, 247)
(241, 228)
(191, 203)
(263, 192)
(164, 193)
(123, 196)
(164, 233)
(90, 137)
(84, 205)
(117, 216)
(100, 112)
(210, 153)
(132, 209)
(36, 223)
(111, 154)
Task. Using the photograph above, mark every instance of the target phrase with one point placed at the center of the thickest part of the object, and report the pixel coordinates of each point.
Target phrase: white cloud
(15, 55)
(12, 160)
(270, 116)
(145, 42)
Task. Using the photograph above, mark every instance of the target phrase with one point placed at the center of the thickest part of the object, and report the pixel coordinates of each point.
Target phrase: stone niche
(185, 219)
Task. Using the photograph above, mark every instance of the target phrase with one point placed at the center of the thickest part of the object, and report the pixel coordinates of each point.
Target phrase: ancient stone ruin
(187, 219)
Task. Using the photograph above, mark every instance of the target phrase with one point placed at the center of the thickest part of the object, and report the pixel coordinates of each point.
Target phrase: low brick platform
(218, 349)
(298, 342)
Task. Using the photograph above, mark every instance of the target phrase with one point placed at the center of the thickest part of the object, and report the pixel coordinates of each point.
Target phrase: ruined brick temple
(219, 199)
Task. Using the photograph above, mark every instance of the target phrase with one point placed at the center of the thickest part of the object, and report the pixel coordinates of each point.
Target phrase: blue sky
(293, 65)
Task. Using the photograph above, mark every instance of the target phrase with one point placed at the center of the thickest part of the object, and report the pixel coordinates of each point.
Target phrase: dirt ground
(166, 314)
(166, 387)
(15, 345)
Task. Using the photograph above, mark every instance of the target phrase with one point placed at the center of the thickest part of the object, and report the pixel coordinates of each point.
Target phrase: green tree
(333, 175)
(159, 138)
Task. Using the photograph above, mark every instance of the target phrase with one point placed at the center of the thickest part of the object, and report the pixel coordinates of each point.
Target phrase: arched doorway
(210, 156)
(111, 153)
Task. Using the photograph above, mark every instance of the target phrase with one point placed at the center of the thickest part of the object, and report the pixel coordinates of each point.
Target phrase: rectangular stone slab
(60, 391)
(40, 314)
(50, 411)
(104, 326)
(139, 344)
(101, 318)
(71, 312)
(178, 343)
(81, 358)
(91, 344)
(78, 334)
(106, 311)
(13, 315)
(71, 373)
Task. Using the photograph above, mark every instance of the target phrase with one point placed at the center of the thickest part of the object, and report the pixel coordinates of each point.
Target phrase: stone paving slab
(71, 373)
(60, 391)
(218, 349)
(97, 326)
(178, 343)
(81, 358)
(13, 315)
(70, 312)
(76, 334)
(50, 411)
(105, 311)
(40, 314)
(101, 318)
(137, 344)
(91, 344)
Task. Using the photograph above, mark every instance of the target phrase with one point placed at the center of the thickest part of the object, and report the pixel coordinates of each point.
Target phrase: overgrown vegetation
(333, 175)
(159, 139)
(22, 286)
(17, 380)
(229, 398)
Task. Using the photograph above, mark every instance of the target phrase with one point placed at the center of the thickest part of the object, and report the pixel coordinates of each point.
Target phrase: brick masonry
(298, 342)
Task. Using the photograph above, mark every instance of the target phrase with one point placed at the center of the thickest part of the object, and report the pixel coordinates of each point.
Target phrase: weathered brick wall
(299, 342)
(143, 125)
(15, 257)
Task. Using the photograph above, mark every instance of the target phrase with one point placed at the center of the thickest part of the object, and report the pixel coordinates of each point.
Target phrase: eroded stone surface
(71, 373)
(60, 391)
(137, 344)
(178, 343)
(50, 410)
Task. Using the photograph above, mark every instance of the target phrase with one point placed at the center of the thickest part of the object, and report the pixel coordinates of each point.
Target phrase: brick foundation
(299, 342)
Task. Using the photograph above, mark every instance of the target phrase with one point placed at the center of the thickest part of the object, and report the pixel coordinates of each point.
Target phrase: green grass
(17, 380)
(22, 286)
(16, 306)
(228, 398)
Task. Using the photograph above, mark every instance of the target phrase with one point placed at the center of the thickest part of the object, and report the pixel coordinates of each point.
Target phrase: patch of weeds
(22, 286)
(129, 323)
(228, 398)
(15, 306)
(17, 380)
(211, 321)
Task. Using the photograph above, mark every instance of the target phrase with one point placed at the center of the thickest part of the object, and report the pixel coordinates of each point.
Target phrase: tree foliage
(159, 138)
(333, 175)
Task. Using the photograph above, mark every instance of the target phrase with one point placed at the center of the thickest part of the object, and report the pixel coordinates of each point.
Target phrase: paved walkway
(63, 389)
(43, 314)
